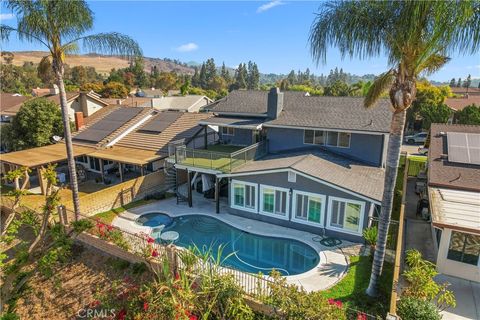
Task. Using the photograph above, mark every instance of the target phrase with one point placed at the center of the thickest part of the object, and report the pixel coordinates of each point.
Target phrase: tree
(96, 87)
(416, 36)
(432, 113)
(428, 97)
(292, 78)
(337, 89)
(196, 78)
(241, 76)
(37, 121)
(114, 90)
(225, 74)
(202, 78)
(468, 115)
(459, 83)
(468, 82)
(253, 76)
(167, 81)
(210, 72)
(60, 27)
(452, 83)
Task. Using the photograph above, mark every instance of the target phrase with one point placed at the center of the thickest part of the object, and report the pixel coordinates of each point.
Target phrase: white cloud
(187, 47)
(6, 16)
(270, 5)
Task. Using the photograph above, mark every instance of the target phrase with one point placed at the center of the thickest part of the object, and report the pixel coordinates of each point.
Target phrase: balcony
(223, 158)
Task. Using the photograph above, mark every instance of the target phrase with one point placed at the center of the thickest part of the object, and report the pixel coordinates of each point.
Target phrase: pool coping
(312, 280)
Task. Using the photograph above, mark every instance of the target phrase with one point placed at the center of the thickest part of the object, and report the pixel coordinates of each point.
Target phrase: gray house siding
(241, 137)
(280, 179)
(365, 147)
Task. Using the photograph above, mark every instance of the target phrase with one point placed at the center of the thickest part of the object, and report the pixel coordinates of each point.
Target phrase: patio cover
(43, 155)
(455, 209)
(239, 123)
(127, 155)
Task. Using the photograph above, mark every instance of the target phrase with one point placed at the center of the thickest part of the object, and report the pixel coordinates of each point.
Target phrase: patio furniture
(169, 236)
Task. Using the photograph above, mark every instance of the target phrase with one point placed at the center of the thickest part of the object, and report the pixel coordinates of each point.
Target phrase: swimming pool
(251, 252)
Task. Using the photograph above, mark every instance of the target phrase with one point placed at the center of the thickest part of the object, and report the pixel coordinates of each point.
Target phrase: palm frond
(5, 32)
(432, 64)
(71, 48)
(378, 87)
(111, 43)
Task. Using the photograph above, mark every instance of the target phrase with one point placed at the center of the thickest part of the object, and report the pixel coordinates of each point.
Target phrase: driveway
(467, 294)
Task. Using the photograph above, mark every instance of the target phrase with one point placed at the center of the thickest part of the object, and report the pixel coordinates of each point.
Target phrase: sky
(274, 34)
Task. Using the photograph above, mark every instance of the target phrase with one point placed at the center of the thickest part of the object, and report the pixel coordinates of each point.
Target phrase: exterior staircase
(171, 181)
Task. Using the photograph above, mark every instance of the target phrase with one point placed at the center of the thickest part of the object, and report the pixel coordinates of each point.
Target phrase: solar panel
(161, 122)
(463, 147)
(108, 124)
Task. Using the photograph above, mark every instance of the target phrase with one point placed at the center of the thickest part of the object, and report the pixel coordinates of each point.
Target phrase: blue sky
(274, 34)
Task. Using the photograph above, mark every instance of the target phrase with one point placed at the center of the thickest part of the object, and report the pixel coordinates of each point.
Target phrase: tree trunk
(393, 156)
(58, 68)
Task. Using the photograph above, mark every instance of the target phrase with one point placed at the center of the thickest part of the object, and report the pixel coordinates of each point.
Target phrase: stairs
(171, 181)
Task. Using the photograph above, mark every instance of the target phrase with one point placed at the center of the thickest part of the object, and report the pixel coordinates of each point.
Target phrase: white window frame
(232, 195)
(227, 133)
(287, 202)
(315, 144)
(362, 215)
(292, 176)
(308, 194)
(338, 139)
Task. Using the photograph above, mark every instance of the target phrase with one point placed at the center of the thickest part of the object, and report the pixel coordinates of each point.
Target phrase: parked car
(416, 138)
(422, 150)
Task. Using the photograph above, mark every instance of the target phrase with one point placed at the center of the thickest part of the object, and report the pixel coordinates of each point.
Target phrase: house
(454, 195)
(188, 103)
(116, 144)
(10, 103)
(307, 162)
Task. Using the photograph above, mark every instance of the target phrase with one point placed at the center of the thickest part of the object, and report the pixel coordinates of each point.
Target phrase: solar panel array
(161, 122)
(463, 147)
(107, 125)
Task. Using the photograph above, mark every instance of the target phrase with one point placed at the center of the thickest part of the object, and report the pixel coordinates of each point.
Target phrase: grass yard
(351, 289)
(108, 216)
(216, 157)
(223, 148)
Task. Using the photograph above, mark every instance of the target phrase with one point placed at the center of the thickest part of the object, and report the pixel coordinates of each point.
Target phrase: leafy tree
(431, 113)
(428, 97)
(468, 115)
(167, 81)
(337, 89)
(202, 77)
(114, 90)
(452, 83)
(241, 76)
(96, 87)
(60, 27)
(300, 87)
(137, 69)
(184, 89)
(416, 36)
(459, 83)
(37, 121)
(210, 71)
(225, 74)
(196, 78)
(217, 84)
(468, 82)
(253, 76)
(292, 78)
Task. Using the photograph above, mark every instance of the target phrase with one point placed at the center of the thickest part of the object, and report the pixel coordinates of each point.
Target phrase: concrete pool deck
(333, 260)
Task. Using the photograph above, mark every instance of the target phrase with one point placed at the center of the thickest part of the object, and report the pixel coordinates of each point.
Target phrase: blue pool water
(251, 253)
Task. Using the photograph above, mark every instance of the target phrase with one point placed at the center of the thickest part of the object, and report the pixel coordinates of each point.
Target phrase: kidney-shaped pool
(248, 252)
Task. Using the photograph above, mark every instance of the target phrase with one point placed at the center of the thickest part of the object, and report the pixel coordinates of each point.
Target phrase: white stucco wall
(454, 268)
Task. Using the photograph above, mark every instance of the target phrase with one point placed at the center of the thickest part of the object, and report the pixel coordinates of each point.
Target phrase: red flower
(193, 317)
(177, 276)
(109, 227)
(122, 314)
(150, 240)
(361, 316)
(154, 253)
(145, 306)
(331, 301)
(338, 303)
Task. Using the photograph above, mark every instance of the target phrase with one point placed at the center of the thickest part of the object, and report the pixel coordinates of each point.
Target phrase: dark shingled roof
(441, 172)
(299, 110)
(324, 165)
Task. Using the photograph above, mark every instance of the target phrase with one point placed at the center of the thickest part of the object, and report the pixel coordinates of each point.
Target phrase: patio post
(142, 170)
(189, 186)
(205, 137)
(217, 196)
(120, 170)
(41, 180)
(102, 172)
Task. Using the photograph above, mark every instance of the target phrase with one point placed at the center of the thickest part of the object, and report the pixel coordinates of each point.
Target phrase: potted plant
(370, 235)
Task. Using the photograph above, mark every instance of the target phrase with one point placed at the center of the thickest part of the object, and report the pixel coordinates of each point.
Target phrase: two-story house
(308, 162)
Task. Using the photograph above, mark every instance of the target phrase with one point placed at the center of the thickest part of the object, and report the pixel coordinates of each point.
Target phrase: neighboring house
(116, 144)
(463, 91)
(307, 162)
(188, 103)
(10, 103)
(457, 104)
(153, 93)
(454, 194)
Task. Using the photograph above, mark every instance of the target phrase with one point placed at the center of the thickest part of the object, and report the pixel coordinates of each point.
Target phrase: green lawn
(223, 148)
(218, 160)
(351, 289)
(108, 216)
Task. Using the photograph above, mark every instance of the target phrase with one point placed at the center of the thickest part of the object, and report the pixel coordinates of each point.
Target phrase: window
(95, 164)
(309, 208)
(464, 247)
(330, 138)
(292, 176)
(346, 215)
(244, 196)
(227, 131)
(274, 201)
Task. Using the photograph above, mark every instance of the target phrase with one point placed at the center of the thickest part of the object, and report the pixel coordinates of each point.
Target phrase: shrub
(370, 235)
(410, 308)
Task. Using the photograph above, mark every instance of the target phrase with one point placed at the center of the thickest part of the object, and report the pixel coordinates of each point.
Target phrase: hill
(103, 64)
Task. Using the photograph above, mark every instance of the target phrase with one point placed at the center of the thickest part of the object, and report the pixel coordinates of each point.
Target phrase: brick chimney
(274, 103)
(79, 124)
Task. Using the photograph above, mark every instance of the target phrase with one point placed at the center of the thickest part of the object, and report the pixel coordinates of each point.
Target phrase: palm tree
(60, 26)
(417, 37)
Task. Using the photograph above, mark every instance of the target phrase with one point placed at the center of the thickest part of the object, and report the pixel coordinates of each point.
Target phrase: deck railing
(219, 161)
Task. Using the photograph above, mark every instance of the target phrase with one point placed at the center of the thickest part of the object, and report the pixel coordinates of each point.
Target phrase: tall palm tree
(60, 26)
(417, 37)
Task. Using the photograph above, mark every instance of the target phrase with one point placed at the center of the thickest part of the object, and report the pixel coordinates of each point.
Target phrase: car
(420, 137)
(422, 150)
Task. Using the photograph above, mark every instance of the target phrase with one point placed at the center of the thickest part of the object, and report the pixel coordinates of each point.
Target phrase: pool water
(248, 252)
